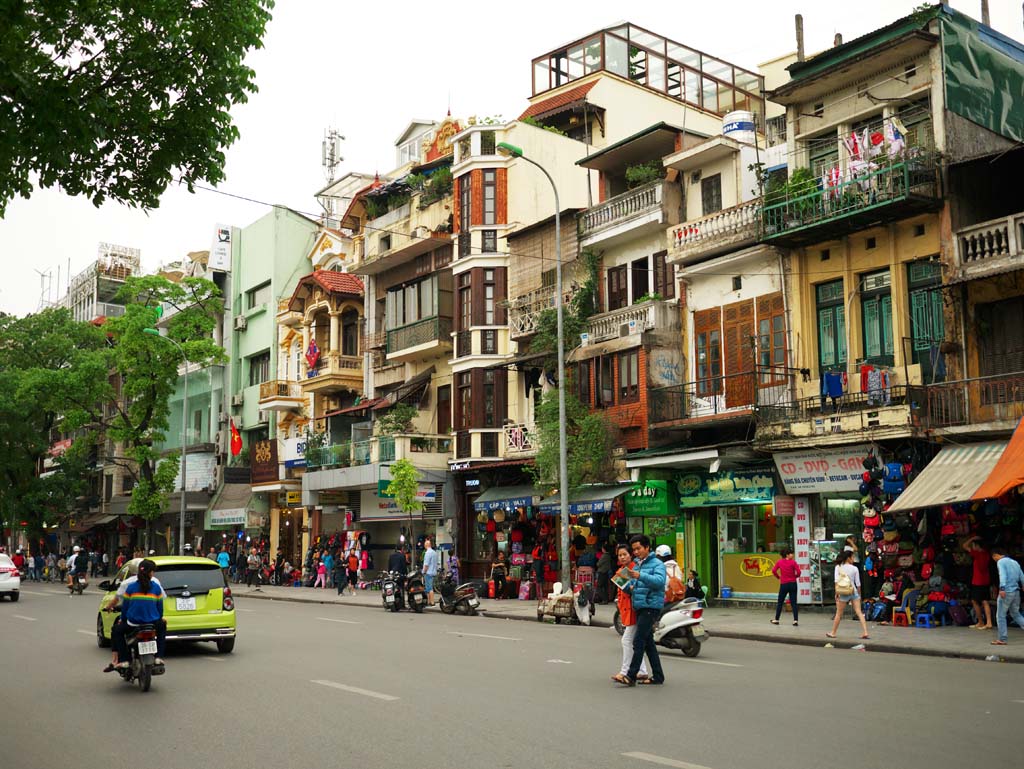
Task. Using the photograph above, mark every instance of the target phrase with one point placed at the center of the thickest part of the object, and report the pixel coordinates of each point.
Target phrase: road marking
(32, 592)
(561, 662)
(663, 761)
(481, 635)
(86, 632)
(22, 616)
(208, 658)
(238, 608)
(356, 690)
(712, 662)
(342, 621)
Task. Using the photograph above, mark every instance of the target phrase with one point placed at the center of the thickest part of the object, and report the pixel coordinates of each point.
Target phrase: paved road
(312, 685)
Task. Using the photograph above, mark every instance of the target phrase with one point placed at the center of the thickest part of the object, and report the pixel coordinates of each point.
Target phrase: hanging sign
(233, 517)
(823, 470)
(648, 499)
(293, 499)
(729, 487)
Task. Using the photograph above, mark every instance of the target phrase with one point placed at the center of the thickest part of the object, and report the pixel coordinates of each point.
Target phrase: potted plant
(644, 173)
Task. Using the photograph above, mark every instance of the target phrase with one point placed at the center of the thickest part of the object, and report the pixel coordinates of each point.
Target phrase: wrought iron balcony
(435, 329)
(991, 400)
(991, 247)
(728, 395)
(520, 439)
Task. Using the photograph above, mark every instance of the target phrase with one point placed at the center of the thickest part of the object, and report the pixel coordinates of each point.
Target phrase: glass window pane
(411, 306)
(646, 39)
(616, 55)
(656, 73)
(576, 62)
(427, 298)
(841, 332)
(717, 69)
(691, 87)
(683, 55)
(709, 94)
(748, 81)
(826, 337)
(725, 103)
(887, 340)
(540, 76)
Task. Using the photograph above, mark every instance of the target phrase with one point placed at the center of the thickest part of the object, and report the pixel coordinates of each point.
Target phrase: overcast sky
(367, 69)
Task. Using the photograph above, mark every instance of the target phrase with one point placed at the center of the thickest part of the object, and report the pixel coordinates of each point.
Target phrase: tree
(53, 370)
(590, 440)
(115, 100)
(575, 314)
(148, 367)
(404, 487)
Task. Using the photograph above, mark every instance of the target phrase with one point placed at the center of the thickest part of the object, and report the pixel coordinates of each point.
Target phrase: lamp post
(510, 150)
(184, 436)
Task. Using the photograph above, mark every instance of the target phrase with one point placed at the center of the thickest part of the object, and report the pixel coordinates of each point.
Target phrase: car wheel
(14, 597)
(226, 646)
(103, 643)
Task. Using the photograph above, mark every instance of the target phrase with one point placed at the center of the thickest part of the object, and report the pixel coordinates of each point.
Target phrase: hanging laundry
(865, 369)
(895, 135)
(833, 385)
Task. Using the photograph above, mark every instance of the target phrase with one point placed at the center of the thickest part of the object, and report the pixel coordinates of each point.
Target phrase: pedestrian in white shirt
(847, 588)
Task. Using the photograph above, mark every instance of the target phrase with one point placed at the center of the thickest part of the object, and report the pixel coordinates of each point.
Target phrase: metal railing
(519, 438)
(373, 340)
(524, 311)
(866, 191)
(433, 329)
(108, 310)
(717, 395)
(333, 364)
(725, 226)
(983, 243)
(973, 401)
(338, 455)
(802, 409)
(280, 388)
(622, 208)
(463, 344)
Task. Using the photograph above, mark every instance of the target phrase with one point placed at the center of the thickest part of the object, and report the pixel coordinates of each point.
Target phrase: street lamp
(184, 435)
(510, 150)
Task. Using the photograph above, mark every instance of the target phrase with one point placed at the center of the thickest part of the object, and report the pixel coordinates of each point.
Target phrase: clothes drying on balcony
(875, 381)
(834, 385)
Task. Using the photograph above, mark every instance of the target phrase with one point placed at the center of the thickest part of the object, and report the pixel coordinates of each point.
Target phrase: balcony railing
(990, 245)
(726, 228)
(373, 340)
(524, 311)
(634, 319)
(822, 408)
(384, 448)
(277, 388)
(463, 344)
(333, 364)
(622, 208)
(981, 400)
(720, 395)
(850, 201)
(108, 310)
(519, 438)
(434, 329)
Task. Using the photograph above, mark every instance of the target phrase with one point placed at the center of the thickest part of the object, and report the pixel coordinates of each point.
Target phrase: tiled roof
(561, 100)
(339, 282)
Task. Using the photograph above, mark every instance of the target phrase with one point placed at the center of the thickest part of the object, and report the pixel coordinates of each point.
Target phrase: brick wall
(631, 418)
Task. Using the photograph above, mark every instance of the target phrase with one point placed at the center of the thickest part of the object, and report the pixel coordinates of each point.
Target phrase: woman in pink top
(787, 571)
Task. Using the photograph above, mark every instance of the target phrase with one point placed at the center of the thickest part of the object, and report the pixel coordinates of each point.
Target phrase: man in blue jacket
(648, 591)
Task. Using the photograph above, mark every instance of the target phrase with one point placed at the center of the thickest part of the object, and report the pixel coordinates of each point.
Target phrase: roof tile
(562, 99)
(340, 282)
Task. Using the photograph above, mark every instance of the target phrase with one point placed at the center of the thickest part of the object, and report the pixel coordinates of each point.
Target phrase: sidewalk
(740, 623)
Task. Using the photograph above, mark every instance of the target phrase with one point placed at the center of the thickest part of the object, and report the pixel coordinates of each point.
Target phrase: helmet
(75, 549)
(663, 551)
(187, 548)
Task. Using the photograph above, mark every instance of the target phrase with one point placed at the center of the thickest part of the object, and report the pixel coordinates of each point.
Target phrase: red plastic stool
(900, 618)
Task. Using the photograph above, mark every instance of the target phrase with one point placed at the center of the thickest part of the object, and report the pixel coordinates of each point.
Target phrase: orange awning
(1008, 473)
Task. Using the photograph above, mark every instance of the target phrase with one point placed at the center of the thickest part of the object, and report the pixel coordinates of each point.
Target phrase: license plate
(389, 598)
(185, 604)
(147, 647)
(698, 630)
(474, 602)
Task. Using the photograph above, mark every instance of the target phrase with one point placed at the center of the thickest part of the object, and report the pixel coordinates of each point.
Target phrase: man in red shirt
(787, 571)
(19, 561)
(980, 581)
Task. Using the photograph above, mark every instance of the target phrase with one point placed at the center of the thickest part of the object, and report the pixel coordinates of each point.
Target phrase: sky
(367, 69)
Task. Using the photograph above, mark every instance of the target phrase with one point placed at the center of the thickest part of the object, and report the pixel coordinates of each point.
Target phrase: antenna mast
(330, 153)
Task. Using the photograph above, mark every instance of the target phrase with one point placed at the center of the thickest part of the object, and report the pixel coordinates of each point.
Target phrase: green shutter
(872, 342)
(826, 338)
(841, 333)
(887, 341)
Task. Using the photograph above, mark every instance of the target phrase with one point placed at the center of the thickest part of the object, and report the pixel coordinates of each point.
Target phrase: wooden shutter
(500, 396)
(500, 294)
(501, 196)
(738, 363)
(617, 287)
(477, 419)
(664, 274)
(476, 207)
(478, 310)
(444, 409)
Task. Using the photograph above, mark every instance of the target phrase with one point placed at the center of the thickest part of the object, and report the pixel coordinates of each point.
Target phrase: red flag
(236, 440)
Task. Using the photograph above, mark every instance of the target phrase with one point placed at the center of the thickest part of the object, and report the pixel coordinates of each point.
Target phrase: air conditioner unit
(263, 416)
(223, 419)
(624, 329)
(241, 322)
(238, 399)
(218, 437)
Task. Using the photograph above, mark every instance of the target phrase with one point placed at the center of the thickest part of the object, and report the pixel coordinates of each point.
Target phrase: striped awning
(955, 475)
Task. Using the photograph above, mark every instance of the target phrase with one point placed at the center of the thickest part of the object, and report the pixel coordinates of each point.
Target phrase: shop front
(652, 508)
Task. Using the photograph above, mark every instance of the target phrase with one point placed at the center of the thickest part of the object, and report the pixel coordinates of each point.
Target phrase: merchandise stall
(506, 521)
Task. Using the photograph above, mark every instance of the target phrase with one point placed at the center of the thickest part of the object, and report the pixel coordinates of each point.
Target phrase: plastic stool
(900, 619)
(925, 620)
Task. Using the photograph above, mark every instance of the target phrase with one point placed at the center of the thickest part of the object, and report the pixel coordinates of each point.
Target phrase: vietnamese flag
(236, 440)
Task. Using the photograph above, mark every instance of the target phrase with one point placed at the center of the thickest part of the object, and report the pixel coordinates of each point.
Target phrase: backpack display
(959, 615)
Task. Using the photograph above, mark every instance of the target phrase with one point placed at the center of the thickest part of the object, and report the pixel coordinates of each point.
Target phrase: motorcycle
(456, 598)
(142, 648)
(415, 592)
(78, 584)
(391, 591)
(679, 626)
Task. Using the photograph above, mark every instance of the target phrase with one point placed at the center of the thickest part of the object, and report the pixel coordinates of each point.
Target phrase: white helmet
(75, 549)
(663, 551)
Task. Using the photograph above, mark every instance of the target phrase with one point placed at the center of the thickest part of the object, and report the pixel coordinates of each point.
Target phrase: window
(257, 297)
(444, 409)
(771, 338)
(831, 325)
(464, 414)
(549, 278)
(617, 288)
(1000, 330)
(465, 203)
(465, 301)
(604, 381)
(490, 241)
(664, 276)
(927, 325)
(411, 302)
(640, 278)
(487, 143)
(737, 282)
(876, 312)
(629, 376)
(711, 194)
(583, 382)
(259, 368)
(490, 196)
(350, 332)
(489, 444)
(489, 406)
(489, 289)
(384, 244)
(489, 342)
(709, 362)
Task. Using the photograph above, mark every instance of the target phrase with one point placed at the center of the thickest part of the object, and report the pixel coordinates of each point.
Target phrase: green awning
(506, 498)
(587, 499)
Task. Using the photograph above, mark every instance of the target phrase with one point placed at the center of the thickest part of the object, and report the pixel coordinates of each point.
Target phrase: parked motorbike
(415, 592)
(391, 591)
(679, 626)
(454, 598)
(142, 666)
(78, 584)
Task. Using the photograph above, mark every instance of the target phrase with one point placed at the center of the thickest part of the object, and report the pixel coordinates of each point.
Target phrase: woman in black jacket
(693, 588)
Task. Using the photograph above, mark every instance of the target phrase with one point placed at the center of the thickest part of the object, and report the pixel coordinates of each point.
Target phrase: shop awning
(410, 391)
(363, 405)
(507, 497)
(588, 499)
(103, 519)
(953, 476)
(83, 524)
(231, 506)
(1008, 473)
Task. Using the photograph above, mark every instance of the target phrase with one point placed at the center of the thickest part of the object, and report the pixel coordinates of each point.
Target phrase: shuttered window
(876, 310)
(831, 325)
(664, 276)
(708, 349)
(927, 325)
(1000, 334)
(771, 339)
(618, 292)
(629, 376)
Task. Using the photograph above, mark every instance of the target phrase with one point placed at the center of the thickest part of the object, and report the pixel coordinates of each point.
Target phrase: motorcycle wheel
(691, 646)
(417, 607)
(395, 607)
(617, 621)
(145, 678)
(103, 643)
(447, 608)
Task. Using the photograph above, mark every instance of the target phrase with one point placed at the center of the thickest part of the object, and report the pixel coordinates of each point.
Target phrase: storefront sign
(802, 546)
(293, 499)
(200, 472)
(731, 487)
(264, 461)
(333, 498)
(784, 506)
(373, 507)
(233, 517)
(220, 251)
(812, 472)
(472, 483)
(650, 498)
(256, 521)
(294, 452)
(425, 492)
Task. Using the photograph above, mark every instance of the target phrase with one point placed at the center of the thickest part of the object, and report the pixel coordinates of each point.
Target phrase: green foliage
(650, 297)
(575, 315)
(404, 486)
(116, 100)
(530, 120)
(644, 173)
(315, 440)
(397, 419)
(590, 440)
(415, 181)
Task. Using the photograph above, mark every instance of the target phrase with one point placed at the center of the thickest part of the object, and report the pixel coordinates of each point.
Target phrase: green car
(198, 605)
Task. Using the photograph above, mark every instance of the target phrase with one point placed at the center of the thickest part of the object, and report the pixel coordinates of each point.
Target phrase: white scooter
(679, 626)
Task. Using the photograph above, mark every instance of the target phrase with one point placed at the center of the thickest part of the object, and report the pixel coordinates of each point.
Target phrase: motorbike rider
(142, 600)
(672, 569)
(397, 562)
(80, 565)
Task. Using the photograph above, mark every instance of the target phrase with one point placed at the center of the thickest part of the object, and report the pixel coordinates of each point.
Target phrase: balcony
(633, 213)
(723, 397)
(419, 337)
(281, 395)
(726, 230)
(425, 451)
(385, 372)
(408, 231)
(992, 403)
(374, 340)
(991, 248)
(335, 372)
(635, 319)
(520, 440)
(885, 194)
(525, 310)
